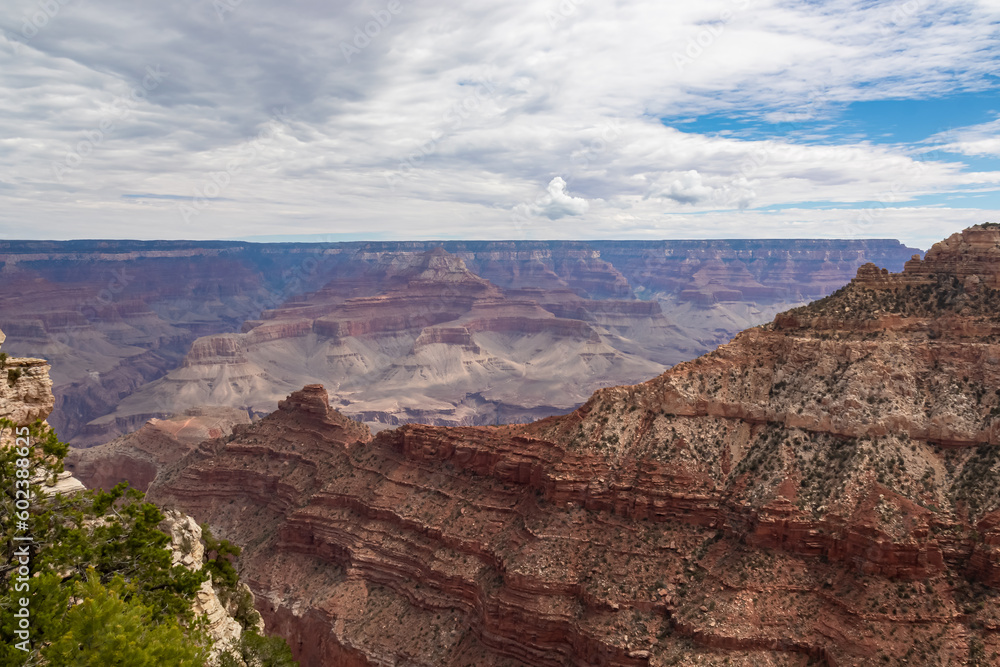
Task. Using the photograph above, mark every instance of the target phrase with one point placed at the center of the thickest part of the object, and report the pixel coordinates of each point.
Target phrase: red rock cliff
(823, 488)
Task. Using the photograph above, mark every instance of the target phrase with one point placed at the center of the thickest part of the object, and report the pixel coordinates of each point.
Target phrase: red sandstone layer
(822, 489)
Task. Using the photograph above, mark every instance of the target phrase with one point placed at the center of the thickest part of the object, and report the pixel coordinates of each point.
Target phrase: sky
(547, 119)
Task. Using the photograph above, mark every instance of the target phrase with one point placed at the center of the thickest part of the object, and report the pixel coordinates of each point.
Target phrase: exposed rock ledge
(187, 550)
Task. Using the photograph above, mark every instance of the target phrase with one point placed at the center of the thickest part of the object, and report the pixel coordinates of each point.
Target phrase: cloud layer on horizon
(546, 119)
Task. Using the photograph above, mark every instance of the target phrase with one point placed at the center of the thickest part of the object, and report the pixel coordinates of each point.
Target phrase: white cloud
(555, 203)
(450, 116)
(977, 140)
(687, 188)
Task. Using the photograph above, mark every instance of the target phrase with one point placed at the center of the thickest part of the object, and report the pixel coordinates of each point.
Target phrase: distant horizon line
(257, 240)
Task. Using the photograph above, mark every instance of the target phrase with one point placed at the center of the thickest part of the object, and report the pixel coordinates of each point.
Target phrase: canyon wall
(112, 317)
(825, 488)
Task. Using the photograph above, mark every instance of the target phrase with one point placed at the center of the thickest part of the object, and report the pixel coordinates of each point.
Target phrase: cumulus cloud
(736, 193)
(555, 203)
(687, 188)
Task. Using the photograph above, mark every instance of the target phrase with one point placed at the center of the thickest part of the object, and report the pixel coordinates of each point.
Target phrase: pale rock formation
(187, 550)
(66, 484)
(28, 399)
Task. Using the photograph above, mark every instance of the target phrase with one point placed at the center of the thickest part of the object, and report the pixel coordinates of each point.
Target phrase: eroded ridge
(823, 488)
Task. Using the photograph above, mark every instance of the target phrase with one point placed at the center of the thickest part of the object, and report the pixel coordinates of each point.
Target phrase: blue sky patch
(876, 121)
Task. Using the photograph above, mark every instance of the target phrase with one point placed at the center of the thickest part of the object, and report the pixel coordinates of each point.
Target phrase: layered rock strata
(438, 344)
(25, 389)
(113, 316)
(823, 488)
(137, 457)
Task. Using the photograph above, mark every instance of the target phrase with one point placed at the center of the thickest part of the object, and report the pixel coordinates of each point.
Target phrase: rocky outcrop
(25, 389)
(822, 488)
(188, 551)
(138, 456)
(446, 550)
(26, 398)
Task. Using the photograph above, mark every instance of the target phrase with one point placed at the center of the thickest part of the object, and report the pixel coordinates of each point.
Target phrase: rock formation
(438, 344)
(26, 398)
(25, 389)
(137, 457)
(187, 550)
(823, 488)
(113, 316)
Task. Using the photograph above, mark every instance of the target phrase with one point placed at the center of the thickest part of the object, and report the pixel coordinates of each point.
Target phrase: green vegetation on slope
(945, 295)
(102, 588)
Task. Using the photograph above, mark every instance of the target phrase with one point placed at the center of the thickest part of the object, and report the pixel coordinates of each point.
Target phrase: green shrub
(109, 627)
(133, 605)
(258, 651)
